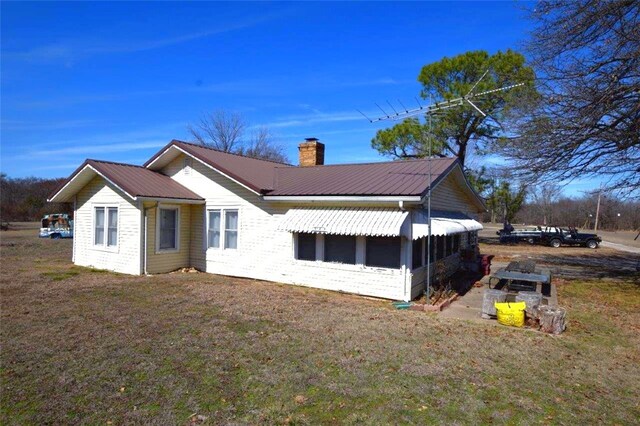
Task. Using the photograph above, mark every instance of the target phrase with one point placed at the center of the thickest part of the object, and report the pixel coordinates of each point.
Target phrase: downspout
(75, 214)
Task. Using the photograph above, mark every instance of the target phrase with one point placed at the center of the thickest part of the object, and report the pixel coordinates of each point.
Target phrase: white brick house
(356, 228)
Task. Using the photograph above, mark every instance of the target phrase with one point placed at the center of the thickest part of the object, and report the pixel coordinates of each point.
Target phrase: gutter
(345, 198)
(171, 200)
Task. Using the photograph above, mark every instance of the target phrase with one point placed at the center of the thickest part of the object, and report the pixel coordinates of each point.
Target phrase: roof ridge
(231, 153)
(413, 160)
(116, 163)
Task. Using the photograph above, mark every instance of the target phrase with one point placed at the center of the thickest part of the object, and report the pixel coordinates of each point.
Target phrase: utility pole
(595, 226)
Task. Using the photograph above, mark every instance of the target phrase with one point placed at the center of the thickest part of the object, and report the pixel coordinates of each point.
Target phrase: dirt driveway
(568, 262)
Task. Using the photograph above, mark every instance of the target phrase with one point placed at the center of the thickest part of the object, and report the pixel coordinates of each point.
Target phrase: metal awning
(376, 222)
(443, 223)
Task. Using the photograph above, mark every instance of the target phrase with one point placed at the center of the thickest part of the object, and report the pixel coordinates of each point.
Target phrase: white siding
(197, 253)
(166, 261)
(449, 195)
(125, 257)
(263, 251)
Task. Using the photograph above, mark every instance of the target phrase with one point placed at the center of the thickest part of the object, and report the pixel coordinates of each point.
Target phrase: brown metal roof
(410, 177)
(251, 172)
(136, 181)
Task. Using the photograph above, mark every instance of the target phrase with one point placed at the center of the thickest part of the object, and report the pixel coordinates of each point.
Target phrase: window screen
(340, 248)
(432, 251)
(112, 230)
(168, 229)
(306, 246)
(440, 247)
(383, 252)
(99, 226)
(231, 229)
(456, 243)
(416, 253)
(213, 230)
(449, 245)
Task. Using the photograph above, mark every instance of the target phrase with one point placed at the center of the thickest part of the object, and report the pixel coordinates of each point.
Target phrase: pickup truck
(550, 235)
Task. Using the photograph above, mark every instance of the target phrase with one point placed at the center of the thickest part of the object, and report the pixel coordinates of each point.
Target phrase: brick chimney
(311, 152)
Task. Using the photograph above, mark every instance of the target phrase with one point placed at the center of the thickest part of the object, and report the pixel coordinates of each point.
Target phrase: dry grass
(84, 347)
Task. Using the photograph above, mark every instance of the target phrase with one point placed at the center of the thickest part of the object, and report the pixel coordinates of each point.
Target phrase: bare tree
(587, 56)
(261, 145)
(544, 196)
(226, 130)
(222, 130)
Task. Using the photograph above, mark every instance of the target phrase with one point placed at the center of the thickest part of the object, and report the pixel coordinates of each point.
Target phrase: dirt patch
(569, 262)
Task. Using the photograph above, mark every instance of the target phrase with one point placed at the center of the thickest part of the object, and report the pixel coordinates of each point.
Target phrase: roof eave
(86, 165)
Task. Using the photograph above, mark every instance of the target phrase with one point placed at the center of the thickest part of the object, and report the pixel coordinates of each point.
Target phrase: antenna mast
(429, 111)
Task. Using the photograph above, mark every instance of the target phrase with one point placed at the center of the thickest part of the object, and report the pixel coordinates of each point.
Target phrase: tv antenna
(439, 106)
(429, 111)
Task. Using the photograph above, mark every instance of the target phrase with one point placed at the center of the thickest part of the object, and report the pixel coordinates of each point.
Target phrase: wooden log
(552, 320)
(489, 298)
(532, 300)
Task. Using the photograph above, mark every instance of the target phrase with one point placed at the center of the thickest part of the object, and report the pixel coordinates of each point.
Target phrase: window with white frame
(105, 232)
(222, 228)
(168, 228)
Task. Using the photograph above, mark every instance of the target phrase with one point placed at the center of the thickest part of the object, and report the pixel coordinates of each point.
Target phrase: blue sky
(117, 81)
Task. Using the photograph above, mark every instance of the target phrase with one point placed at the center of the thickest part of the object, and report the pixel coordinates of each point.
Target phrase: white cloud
(315, 118)
(34, 125)
(88, 149)
(73, 50)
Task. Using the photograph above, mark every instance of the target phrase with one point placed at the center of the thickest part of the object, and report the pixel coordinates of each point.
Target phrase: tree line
(25, 199)
(615, 214)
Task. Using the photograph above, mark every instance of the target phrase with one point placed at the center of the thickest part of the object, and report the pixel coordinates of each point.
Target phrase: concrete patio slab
(469, 306)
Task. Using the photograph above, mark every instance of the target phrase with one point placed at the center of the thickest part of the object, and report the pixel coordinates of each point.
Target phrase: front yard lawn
(80, 346)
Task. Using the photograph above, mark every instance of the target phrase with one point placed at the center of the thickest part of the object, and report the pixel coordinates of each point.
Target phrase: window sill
(167, 251)
(348, 267)
(106, 249)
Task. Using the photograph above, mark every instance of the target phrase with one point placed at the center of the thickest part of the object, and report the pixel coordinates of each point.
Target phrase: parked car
(556, 237)
(56, 225)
